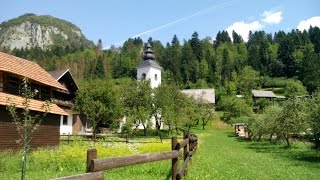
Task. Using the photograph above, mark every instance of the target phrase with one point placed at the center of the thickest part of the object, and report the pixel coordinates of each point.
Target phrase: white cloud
(271, 17)
(305, 24)
(243, 28)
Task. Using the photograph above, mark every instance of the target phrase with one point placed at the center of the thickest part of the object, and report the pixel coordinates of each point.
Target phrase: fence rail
(95, 167)
(109, 138)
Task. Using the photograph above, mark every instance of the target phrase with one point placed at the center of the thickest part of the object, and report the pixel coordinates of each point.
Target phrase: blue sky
(114, 21)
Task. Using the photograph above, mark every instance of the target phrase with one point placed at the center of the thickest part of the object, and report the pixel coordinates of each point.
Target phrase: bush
(234, 108)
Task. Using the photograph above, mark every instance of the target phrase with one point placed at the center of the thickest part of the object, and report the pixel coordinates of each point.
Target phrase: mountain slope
(30, 30)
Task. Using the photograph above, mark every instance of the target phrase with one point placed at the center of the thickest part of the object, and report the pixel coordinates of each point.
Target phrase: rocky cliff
(30, 30)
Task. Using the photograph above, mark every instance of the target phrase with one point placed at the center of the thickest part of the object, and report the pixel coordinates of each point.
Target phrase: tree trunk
(94, 137)
(144, 129)
(317, 140)
(259, 137)
(157, 126)
(203, 124)
(270, 138)
(287, 139)
(24, 153)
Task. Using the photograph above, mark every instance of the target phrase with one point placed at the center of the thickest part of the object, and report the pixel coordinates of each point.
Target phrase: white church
(149, 69)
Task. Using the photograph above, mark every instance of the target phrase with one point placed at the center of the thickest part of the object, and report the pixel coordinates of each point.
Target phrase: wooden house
(12, 71)
(258, 95)
(73, 123)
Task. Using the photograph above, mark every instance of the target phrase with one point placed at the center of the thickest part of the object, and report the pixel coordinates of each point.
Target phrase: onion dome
(148, 54)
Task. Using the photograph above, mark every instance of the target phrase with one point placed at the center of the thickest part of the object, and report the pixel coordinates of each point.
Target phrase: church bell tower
(149, 69)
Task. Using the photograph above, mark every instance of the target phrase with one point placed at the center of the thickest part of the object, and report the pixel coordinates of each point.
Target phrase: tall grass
(69, 159)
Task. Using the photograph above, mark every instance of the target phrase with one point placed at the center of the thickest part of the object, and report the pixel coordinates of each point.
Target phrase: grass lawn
(220, 156)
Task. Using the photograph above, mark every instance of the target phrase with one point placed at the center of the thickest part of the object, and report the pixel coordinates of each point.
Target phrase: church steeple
(149, 69)
(148, 54)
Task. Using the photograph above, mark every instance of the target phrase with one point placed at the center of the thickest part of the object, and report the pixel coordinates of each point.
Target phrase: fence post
(174, 170)
(91, 154)
(160, 136)
(190, 144)
(68, 137)
(185, 152)
(127, 139)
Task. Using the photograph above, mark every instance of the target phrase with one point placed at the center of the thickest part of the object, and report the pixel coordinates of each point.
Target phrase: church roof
(149, 63)
(148, 58)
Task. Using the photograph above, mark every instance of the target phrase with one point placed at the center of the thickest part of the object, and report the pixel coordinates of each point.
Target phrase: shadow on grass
(168, 176)
(230, 134)
(296, 152)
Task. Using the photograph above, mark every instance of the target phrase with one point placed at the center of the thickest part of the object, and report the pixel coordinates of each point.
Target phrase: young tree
(137, 99)
(313, 117)
(271, 114)
(292, 119)
(25, 122)
(100, 102)
(163, 103)
(206, 113)
(235, 108)
(187, 111)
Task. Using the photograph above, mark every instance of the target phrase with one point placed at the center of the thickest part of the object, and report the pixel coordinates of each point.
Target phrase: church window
(143, 77)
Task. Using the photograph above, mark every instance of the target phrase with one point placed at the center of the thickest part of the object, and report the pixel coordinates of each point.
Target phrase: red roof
(25, 68)
(35, 105)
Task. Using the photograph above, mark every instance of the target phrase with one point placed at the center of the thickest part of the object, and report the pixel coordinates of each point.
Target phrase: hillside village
(62, 95)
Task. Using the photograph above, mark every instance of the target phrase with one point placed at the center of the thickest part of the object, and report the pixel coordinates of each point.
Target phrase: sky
(114, 21)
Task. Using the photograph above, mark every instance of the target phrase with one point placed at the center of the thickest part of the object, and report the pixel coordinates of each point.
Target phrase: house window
(65, 120)
(143, 77)
(12, 85)
(45, 93)
(156, 77)
(1, 81)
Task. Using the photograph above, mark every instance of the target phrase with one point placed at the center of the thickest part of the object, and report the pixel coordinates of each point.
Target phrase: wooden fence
(95, 167)
(110, 138)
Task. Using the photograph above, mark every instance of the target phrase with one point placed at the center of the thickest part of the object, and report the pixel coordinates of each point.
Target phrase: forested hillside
(44, 32)
(225, 62)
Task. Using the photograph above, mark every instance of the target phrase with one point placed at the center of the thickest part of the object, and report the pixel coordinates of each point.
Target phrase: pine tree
(99, 71)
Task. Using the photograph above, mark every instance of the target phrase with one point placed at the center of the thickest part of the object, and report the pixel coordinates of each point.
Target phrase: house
(202, 95)
(73, 123)
(263, 94)
(257, 95)
(12, 71)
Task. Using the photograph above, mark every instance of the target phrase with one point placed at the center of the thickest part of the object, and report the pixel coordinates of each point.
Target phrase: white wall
(150, 74)
(66, 129)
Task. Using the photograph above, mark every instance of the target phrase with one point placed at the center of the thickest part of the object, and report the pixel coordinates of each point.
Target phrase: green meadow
(220, 155)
